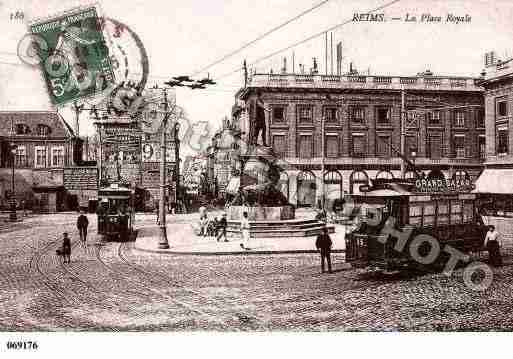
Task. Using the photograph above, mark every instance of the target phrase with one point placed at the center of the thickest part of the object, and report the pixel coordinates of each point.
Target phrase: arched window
(461, 175)
(357, 179)
(306, 189)
(43, 130)
(22, 129)
(384, 175)
(332, 185)
(436, 174)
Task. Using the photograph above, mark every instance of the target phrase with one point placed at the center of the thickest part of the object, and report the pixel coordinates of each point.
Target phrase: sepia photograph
(213, 175)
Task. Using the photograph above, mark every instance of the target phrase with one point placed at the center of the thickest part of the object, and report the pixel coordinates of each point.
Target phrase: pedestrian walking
(82, 224)
(203, 222)
(66, 248)
(244, 229)
(493, 243)
(323, 244)
(157, 213)
(222, 228)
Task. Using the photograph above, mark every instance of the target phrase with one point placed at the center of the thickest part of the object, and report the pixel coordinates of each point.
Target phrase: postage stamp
(74, 55)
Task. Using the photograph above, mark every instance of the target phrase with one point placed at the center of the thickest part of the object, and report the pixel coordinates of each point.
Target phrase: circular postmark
(129, 59)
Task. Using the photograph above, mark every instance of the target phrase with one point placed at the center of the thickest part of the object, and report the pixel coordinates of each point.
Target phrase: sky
(181, 37)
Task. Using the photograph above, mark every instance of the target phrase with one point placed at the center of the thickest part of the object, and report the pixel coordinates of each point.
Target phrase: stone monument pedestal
(269, 212)
(262, 213)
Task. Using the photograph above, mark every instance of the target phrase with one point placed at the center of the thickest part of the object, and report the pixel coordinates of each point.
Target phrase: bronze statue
(265, 193)
(260, 126)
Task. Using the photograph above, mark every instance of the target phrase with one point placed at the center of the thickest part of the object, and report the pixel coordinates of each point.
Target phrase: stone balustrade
(365, 81)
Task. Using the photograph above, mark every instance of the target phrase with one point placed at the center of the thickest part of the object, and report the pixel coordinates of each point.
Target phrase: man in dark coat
(82, 223)
(222, 228)
(323, 244)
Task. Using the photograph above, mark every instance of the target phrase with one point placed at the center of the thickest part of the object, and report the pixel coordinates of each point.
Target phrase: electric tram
(116, 212)
(391, 215)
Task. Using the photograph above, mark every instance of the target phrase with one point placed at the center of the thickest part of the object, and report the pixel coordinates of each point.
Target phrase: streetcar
(390, 215)
(116, 212)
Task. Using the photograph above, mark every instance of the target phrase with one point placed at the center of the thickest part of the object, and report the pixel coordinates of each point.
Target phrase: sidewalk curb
(237, 253)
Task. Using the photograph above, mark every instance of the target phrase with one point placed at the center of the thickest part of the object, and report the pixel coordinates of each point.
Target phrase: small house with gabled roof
(39, 144)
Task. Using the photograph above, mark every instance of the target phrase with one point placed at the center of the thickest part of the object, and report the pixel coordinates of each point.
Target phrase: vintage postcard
(278, 167)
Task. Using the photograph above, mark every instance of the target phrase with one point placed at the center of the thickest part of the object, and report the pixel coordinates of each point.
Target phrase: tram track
(150, 289)
(145, 289)
(23, 274)
(35, 263)
(70, 296)
(63, 297)
(237, 317)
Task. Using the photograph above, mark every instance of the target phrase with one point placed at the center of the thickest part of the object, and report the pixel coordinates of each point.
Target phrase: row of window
(434, 145)
(441, 212)
(357, 114)
(501, 129)
(41, 130)
(335, 176)
(41, 159)
(502, 139)
(307, 186)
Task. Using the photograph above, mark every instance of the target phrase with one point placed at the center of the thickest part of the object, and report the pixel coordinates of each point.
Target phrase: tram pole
(163, 242)
(403, 131)
(12, 199)
(323, 165)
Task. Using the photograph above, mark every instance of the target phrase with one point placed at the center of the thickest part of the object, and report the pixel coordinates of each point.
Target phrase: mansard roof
(59, 127)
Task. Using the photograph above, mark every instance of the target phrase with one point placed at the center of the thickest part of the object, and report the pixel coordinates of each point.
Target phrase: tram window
(443, 208)
(416, 214)
(468, 211)
(429, 210)
(443, 213)
(429, 214)
(415, 211)
(456, 212)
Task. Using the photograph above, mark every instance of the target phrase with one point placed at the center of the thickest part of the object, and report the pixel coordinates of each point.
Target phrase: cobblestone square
(112, 287)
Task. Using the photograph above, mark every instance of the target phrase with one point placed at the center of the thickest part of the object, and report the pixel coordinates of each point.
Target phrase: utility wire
(267, 33)
(260, 59)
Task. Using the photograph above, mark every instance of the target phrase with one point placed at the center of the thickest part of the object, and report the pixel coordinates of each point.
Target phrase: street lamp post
(163, 242)
(12, 214)
(176, 128)
(12, 148)
(175, 81)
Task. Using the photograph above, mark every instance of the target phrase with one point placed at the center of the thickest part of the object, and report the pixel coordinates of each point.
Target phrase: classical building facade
(44, 145)
(496, 180)
(351, 126)
(223, 162)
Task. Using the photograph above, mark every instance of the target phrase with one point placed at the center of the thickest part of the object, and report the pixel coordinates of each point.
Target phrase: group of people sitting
(213, 227)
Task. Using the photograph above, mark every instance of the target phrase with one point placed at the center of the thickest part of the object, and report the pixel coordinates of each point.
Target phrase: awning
(495, 180)
(233, 185)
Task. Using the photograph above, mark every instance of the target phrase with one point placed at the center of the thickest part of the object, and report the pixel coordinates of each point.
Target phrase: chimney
(314, 70)
(284, 68)
(339, 58)
(490, 59)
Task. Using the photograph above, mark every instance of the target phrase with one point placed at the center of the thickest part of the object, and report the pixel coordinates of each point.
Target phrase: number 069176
(25, 345)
